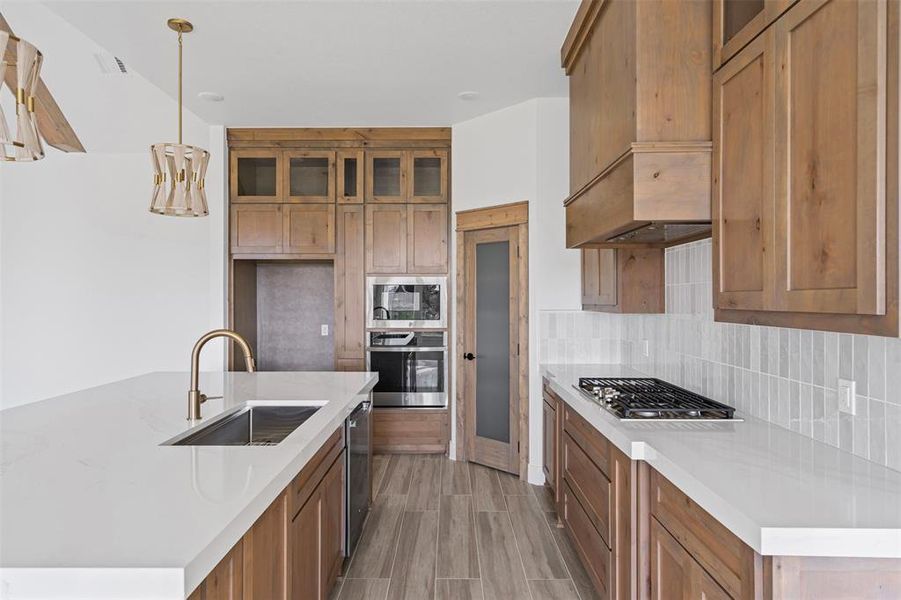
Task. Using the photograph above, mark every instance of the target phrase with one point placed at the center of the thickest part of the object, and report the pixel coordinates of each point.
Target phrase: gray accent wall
(293, 301)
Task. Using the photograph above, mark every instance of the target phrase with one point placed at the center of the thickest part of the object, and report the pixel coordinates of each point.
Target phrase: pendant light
(26, 146)
(179, 169)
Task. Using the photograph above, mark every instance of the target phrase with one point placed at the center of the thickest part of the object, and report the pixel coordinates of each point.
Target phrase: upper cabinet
(428, 176)
(255, 176)
(386, 176)
(640, 138)
(624, 280)
(737, 22)
(310, 176)
(350, 176)
(805, 186)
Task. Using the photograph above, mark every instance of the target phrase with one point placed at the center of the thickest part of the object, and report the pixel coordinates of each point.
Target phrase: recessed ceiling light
(211, 96)
(468, 95)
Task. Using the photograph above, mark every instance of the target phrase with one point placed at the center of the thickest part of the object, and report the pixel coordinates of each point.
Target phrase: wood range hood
(640, 134)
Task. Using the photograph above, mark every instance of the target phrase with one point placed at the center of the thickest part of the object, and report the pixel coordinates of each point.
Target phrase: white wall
(515, 154)
(94, 288)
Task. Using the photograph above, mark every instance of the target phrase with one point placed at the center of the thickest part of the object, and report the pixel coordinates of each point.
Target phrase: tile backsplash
(786, 376)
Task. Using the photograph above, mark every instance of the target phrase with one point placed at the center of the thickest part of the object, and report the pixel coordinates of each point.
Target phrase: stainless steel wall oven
(412, 368)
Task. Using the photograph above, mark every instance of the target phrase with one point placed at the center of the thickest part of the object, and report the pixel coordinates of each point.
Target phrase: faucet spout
(195, 397)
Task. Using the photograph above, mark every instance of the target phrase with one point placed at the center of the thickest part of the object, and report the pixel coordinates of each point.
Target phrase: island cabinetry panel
(639, 75)
(806, 187)
(349, 287)
(294, 549)
(623, 280)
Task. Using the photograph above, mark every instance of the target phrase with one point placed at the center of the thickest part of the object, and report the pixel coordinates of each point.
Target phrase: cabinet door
(331, 526)
(675, 574)
(349, 284)
(255, 176)
(265, 548)
(428, 176)
(736, 22)
(831, 157)
(225, 581)
(427, 240)
(306, 557)
(743, 185)
(550, 423)
(310, 229)
(309, 175)
(386, 176)
(386, 238)
(599, 277)
(350, 176)
(256, 229)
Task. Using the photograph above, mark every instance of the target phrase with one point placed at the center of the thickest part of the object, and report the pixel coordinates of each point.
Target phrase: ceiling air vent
(110, 65)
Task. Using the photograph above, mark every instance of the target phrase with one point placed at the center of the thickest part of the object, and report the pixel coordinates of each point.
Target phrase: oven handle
(406, 349)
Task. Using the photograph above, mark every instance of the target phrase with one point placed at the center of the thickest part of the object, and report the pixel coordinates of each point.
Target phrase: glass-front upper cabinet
(310, 175)
(428, 180)
(386, 176)
(737, 22)
(254, 176)
(350, 176)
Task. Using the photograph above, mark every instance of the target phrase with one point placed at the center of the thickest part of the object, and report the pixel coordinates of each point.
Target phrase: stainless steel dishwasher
(357, 481)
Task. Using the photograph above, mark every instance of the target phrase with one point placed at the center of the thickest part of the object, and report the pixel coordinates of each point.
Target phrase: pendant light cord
(179, 87)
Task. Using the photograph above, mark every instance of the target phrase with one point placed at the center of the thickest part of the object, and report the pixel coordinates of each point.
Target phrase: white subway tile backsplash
(785, 376)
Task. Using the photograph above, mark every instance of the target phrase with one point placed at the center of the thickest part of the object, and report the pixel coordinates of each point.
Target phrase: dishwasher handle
(359, 412)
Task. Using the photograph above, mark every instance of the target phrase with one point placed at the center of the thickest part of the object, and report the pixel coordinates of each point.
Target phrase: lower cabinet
(675, 575)
(549, 455)
(294, 550)
(410, 430)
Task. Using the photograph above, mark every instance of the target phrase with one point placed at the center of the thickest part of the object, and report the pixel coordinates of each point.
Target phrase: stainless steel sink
(256, 425)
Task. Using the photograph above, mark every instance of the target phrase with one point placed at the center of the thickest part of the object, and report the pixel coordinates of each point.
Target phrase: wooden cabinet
(316, 535)
(386, 238)
(309, 229)
(549, 452)
(255, 175)
(386, 176)
(294, 549)
(624, 280)
(590, 546)
(428, 176)
(737, 22)
(806, 192)
(403, 431)
(427, 238)
(256, 229)
(675, 575)
(282, 229)
(349, 284)
(350, 176)
(309, 175)
(639, 75)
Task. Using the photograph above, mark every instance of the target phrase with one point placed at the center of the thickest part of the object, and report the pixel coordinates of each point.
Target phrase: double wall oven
(407, 341)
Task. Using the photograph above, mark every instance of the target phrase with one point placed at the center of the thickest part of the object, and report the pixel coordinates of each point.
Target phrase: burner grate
(641, 397)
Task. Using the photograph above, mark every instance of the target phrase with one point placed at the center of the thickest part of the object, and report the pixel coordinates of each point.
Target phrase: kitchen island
(93, 504)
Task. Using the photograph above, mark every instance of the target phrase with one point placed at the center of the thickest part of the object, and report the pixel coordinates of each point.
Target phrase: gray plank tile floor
(445, 530)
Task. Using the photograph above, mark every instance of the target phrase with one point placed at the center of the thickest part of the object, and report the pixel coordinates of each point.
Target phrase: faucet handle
(204, 398)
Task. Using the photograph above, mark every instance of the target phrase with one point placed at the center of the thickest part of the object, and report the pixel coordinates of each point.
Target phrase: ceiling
(338, 62)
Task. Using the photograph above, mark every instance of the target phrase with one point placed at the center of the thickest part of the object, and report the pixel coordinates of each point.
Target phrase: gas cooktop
(649, 399)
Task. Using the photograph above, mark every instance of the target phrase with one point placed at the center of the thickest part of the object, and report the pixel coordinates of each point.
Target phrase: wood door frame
(504, 215)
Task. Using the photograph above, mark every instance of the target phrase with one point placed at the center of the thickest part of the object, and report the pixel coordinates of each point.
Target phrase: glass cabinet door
(350, 176)
(254, 176)
(386, 176)
(310, 176)
(428, 177)
(737, 14)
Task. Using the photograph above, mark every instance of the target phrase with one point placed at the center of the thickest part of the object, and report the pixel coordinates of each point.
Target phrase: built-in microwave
(412, 368)
(406, 302)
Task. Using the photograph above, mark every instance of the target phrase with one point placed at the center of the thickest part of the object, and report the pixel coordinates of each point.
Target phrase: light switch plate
(323, 330)
(847, 396)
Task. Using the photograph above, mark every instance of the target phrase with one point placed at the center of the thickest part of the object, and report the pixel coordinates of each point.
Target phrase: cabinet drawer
(595, 446)
(303, 486)
(725, 557)
(589, 484)
(592, 550)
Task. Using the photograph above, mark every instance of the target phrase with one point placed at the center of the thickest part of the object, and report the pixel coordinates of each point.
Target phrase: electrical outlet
(323, 330)
(847, 396)
(645, 348)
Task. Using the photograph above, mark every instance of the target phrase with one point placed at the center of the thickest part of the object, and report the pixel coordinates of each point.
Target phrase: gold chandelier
(179, 169)
(26, 146)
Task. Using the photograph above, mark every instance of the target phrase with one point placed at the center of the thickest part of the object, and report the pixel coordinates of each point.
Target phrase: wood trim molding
(503, 215)
(336, 134)
(53, 126)
(584, 20)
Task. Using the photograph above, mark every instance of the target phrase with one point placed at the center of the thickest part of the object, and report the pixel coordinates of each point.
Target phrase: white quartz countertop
(780, 492)
(92, 506)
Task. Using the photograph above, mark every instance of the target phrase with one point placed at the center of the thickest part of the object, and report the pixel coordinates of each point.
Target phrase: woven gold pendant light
(179, 169)
(26, 145)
